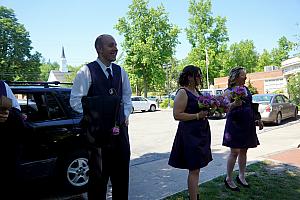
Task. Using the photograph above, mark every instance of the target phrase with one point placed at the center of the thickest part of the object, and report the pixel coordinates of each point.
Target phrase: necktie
(110, 77)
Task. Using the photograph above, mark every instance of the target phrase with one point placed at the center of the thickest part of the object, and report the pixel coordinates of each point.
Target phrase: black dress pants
(113, 164)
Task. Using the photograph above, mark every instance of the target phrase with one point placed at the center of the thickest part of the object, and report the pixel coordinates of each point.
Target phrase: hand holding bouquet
(208, 103)
(237, 94)
(5, 105)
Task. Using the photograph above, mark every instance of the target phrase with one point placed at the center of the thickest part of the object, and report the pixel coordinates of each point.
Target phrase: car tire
(295, 114)
(73, 171)
(132, 110)
(152, 108)
(278, 119)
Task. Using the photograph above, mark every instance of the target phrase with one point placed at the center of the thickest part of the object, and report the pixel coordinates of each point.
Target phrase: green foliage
(282, 52)
(16, 60)
(264, 59)
(243, 54)
(46, 68)
(150, 41)
(294, 88)
(165, 102)
(252, 89)
(72, 73)
(206, 32)
(268, 181)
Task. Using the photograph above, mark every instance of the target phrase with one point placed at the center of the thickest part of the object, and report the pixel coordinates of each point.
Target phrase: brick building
(264, 82)
(271, 79)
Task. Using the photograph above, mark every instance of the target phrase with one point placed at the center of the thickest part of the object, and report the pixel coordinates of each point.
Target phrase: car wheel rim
(77, 172)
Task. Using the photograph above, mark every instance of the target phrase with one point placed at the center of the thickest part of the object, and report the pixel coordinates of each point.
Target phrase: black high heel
(238, 180)
(236, 189)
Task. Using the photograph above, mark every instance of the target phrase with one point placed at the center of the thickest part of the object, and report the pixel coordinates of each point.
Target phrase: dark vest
(100, 84)
(2, 89)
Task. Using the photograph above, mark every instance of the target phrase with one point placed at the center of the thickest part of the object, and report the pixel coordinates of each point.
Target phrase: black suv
(53, 146)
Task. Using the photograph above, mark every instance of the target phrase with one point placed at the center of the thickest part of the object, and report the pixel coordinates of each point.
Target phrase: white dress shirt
(11, 95)
(83, 81)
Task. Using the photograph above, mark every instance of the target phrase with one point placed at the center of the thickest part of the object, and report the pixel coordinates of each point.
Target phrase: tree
(46, 68)
(294, 88)
(264, 59)
(252, 89)
(149, 42)
(282, 52)
(16, 61)
(243, 54)
(206, 32)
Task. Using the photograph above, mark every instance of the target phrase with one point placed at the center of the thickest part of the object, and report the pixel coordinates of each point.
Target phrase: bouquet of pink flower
(208, 102)
(223, 104)
(238, 93)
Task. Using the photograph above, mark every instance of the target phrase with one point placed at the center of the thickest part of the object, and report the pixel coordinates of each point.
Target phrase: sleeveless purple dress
(191, 147)
(240, 130)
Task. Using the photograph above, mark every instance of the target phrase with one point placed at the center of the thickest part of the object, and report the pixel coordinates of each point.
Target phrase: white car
(140, 103)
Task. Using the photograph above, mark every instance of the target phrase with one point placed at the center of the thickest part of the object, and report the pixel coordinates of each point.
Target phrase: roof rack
(36, 83)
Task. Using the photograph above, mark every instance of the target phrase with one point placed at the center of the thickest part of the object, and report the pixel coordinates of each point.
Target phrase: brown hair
(233, 75)
(189, 70)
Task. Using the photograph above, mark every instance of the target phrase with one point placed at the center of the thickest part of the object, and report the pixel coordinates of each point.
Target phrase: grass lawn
(268, 181)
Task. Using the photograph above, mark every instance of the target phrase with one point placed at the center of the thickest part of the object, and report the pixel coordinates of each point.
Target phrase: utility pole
(167, 67)
(206, 62)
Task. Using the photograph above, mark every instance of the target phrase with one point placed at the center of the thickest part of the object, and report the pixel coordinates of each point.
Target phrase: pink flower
(115, 130)
(238, 93)
(223, 104)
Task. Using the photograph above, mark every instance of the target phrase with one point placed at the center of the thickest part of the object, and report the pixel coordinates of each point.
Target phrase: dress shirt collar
(104, 66)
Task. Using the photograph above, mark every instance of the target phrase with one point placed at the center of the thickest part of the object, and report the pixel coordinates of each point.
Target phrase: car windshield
(262, 98)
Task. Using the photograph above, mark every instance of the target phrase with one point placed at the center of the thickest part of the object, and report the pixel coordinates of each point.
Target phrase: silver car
(275, 107)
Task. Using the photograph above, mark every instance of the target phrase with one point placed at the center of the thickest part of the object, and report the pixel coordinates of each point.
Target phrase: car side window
(285, 99)
(279, 99)
(54, 109)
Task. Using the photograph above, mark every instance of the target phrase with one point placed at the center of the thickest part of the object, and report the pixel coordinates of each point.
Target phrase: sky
(75, 24)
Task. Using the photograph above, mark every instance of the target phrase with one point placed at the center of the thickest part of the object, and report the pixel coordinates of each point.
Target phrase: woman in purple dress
(240, 131)
(191, 148)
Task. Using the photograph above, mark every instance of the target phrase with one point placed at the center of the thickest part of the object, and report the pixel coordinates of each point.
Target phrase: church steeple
(63, 66)
(63, 53)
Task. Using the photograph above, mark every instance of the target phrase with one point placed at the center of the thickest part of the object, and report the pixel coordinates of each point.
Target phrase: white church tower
(63, 65)
(59, 75)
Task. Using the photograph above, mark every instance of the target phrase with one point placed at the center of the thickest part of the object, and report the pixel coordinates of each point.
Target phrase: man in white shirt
(6, 91)
(110, 155)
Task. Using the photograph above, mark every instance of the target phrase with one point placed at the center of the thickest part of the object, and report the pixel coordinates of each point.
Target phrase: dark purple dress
(191, 147)
(240, 130)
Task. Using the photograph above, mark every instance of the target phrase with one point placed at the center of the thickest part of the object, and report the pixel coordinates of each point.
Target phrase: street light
(167, 67)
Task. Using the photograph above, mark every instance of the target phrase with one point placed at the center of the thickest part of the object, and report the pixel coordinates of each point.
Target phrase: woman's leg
(242, 161)
(193, 180)
(230, 165)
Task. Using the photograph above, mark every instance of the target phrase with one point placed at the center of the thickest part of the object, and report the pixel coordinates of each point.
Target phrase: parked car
(52, 147)
(213, 91)
(140, 103)
(275, 107)
(153, 98)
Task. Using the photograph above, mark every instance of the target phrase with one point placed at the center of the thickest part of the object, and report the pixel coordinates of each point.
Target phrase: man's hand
(126, 121)
(4, 115)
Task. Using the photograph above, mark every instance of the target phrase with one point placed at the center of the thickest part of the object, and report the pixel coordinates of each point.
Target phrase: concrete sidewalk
(156, 179)
(151, 178)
